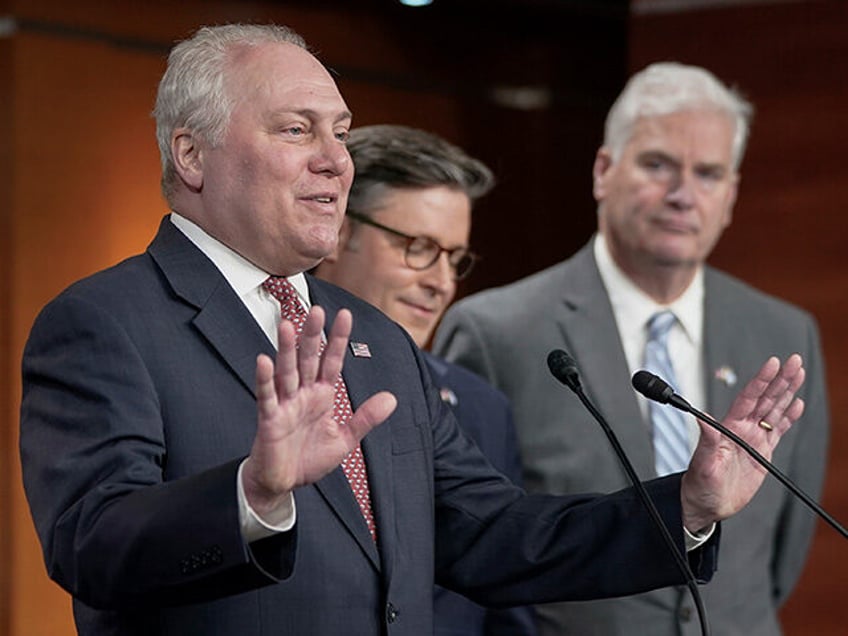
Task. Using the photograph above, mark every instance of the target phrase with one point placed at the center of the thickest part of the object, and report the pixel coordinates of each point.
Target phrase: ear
(731, 199)
(188, 158)
(600, 170)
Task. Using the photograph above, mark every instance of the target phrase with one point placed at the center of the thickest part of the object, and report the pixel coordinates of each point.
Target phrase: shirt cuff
(253, 527)
(695, 541)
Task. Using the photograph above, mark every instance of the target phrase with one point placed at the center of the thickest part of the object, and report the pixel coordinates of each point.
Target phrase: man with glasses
(403, 247)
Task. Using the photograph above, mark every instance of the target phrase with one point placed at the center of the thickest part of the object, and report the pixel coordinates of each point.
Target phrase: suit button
(685, 614)
(391, 613)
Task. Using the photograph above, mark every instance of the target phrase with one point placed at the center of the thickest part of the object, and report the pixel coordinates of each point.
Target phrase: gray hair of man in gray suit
(670, 87)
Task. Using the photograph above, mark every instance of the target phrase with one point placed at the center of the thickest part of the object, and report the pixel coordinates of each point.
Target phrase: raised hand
(722, 478)
(297, 440)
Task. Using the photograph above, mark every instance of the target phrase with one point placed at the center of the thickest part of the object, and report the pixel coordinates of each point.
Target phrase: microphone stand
(564, 368)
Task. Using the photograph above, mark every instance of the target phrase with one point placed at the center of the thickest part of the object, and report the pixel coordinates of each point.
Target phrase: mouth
(322, 198)
(675, 226)
(427, 311)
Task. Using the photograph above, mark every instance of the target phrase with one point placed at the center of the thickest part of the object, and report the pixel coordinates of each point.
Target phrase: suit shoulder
(461, 379)
(526, 295)
(116, 284)
(732, 296)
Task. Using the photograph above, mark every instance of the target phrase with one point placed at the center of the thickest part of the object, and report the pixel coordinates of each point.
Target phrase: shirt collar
(628, 300)
(242, 275)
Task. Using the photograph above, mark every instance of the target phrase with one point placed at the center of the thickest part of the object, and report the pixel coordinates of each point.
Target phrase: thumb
(372, 412)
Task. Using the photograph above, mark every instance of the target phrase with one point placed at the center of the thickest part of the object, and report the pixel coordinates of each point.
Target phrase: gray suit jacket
(137, 408)
(505, 335)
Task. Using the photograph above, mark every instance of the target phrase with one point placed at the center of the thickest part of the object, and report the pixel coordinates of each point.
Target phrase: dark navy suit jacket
(484, 413)
(138, 407)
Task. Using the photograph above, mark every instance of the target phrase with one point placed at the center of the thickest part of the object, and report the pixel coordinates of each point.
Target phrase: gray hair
(193, 91)
(392, 156)
(669, 87)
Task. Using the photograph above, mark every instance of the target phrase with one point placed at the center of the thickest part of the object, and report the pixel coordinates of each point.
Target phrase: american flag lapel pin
(726, 375)
(448, 396)
(360, 350)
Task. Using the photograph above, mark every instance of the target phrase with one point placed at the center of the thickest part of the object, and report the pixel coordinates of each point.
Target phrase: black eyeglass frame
(460, 271)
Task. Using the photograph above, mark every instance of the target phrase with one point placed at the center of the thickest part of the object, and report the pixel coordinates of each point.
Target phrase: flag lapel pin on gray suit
(726, 375)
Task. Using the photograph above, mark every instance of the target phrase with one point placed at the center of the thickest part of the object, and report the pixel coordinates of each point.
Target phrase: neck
(663, 283)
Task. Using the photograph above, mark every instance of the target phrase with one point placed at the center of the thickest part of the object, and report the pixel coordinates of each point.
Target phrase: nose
(331, 156)
(440, 276)
(681, 191)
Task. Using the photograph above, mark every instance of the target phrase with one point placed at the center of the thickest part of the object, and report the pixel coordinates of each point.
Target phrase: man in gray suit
(665, 181)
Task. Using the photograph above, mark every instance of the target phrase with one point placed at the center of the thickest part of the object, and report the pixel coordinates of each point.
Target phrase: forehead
(704, 135)
(438, 212)
(284, 77)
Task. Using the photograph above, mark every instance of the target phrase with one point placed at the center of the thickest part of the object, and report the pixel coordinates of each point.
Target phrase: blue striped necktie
(670, 432)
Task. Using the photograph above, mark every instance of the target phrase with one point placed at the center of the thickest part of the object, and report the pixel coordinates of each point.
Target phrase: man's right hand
(297, 439)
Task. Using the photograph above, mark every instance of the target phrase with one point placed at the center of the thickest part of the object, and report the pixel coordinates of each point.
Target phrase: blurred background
(522, 84)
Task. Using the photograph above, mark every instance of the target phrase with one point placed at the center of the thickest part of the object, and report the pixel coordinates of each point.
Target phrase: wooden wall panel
(788, 236)
(85, 196)
(8, 367)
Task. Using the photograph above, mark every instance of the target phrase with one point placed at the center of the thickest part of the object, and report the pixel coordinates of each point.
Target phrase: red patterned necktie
(354, 464)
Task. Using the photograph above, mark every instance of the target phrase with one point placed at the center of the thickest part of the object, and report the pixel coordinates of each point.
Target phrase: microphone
(564, 368)
(655, 388)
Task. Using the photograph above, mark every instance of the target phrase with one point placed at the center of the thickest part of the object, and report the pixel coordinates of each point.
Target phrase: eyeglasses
(422, 252)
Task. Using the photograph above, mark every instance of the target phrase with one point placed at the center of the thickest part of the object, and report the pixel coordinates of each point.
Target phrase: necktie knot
(660, 325)
(290, 306)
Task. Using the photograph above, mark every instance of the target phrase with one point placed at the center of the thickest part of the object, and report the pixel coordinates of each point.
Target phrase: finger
(309, 347)
(286, 377)
(266, 393)
(780, 392)
(372, 412)
(334, 352)
(782, 419)
(745, 403)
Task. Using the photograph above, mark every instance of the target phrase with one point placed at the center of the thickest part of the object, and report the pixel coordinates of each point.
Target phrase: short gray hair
(193, 92)
(669, 87)
(393, 156)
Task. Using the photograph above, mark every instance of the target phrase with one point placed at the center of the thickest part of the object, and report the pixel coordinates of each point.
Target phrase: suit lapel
(221, 316)
(724, 356)
(588, 326)
(227, 325)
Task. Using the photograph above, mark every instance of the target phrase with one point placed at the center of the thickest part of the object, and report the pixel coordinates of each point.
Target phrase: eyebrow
(714, 166)
(311, 113)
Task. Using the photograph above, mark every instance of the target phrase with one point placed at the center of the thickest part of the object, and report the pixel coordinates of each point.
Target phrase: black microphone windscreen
(652, 386)
(564, 368)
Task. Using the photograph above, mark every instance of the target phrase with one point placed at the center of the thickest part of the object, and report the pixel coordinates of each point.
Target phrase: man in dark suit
(402, 247)
(187, 478)
(665, 181)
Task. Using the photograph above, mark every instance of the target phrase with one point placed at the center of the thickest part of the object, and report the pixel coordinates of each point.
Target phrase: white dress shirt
(633, 309)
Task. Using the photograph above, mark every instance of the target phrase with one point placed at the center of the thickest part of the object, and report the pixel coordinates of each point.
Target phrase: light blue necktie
(670, 432)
